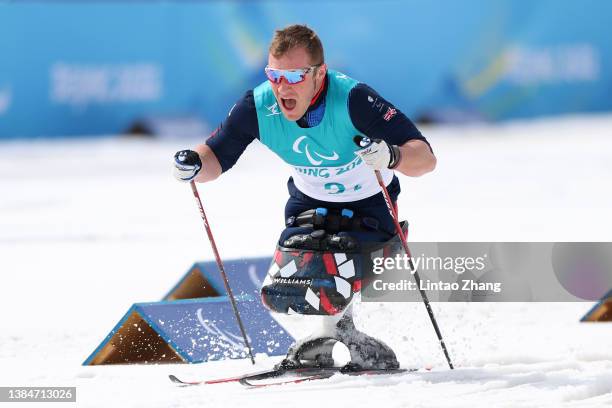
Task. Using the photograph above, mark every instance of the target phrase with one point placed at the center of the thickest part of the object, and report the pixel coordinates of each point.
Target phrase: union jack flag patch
(389, 114)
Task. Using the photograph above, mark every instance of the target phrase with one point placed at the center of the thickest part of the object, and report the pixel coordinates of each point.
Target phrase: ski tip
(178, 381)
(174, 379)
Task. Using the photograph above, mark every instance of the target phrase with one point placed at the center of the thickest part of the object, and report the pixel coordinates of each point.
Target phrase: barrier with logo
(203, 279)
(601, 312)
(195, 322)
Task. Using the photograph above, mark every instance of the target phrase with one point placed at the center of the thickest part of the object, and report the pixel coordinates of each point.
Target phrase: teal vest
(322, 157)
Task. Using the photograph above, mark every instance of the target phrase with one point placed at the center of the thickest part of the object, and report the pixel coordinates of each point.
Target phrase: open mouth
(288, 103)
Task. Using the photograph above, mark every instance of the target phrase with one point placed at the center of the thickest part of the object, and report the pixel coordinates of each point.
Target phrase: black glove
(187, 165)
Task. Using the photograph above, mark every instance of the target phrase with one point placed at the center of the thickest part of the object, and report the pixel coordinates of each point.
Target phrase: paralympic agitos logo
(309, 155)
(228, 339)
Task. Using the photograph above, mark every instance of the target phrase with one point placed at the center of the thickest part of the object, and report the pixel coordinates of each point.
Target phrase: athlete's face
(295, 99)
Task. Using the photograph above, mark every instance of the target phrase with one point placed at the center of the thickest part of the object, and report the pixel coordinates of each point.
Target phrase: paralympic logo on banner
(234, 341)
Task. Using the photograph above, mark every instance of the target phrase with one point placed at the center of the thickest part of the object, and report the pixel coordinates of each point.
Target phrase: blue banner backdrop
(87, 68)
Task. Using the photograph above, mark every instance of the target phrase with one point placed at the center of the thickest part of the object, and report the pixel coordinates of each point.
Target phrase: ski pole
(221, 269)
(363, 142)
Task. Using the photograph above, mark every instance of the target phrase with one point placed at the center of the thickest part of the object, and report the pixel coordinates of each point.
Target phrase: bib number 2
(338, 188)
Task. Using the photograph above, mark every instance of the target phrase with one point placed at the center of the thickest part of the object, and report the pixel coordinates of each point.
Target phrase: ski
(286, 376)
(270, 373)
(309, 374)
(177, 380)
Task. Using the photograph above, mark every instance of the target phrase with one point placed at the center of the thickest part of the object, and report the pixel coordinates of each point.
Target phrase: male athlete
(309, 115)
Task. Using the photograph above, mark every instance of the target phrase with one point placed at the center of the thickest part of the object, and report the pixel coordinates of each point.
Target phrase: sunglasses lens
(292, 76)
(274, 75)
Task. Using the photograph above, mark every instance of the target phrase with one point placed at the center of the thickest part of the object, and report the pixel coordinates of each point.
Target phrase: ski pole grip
(362, 141)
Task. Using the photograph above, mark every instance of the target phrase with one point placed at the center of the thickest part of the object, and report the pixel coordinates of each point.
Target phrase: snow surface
(88, 227)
